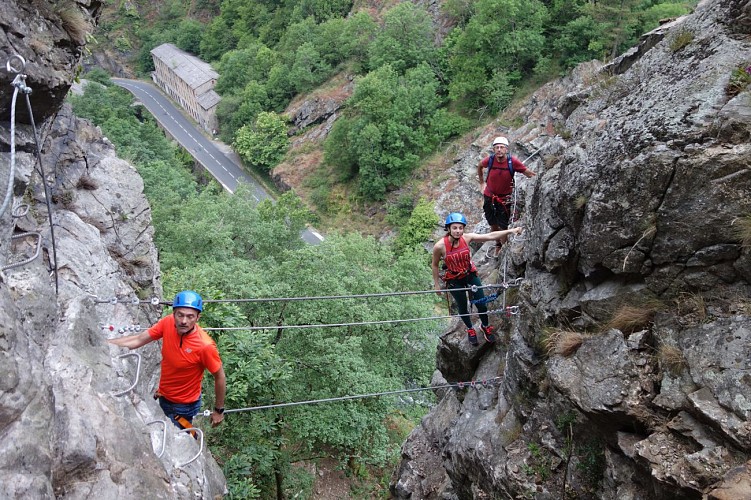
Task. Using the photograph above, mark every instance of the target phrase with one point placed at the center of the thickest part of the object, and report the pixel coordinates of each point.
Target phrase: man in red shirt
(499, 185)
(187, 350)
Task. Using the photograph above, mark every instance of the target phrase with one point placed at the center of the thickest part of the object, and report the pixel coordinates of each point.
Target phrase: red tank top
(458, 260)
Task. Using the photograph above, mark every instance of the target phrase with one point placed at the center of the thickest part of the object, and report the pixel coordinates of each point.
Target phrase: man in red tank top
(461, 272)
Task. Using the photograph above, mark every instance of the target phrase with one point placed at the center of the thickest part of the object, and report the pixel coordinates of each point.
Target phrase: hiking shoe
(488, 332)
(472, 336)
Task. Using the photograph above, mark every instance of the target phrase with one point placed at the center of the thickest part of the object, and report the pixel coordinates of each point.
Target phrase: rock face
(626, 373)
(66, 431)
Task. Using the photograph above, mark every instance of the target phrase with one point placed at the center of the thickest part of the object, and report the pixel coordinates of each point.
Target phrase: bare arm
(495, 235)
(132, 341)
(438, 252)
(481, 177)
(529, 173)
(220, 390)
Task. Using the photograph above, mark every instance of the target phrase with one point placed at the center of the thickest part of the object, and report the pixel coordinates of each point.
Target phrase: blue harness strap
(485, 300)
(491, 160)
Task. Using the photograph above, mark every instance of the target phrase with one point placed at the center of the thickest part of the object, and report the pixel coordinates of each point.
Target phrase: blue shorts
(187, 410)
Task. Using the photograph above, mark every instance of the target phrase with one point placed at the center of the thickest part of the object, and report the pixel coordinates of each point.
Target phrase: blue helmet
(453, 218)
(188, 298)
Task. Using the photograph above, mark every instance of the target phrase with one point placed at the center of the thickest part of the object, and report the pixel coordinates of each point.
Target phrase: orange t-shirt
(183, 363)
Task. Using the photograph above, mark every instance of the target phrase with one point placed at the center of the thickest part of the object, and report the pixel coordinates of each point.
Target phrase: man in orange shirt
(187, 350)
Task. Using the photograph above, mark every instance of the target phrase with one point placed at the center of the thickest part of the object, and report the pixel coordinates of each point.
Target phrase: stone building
(189, 81)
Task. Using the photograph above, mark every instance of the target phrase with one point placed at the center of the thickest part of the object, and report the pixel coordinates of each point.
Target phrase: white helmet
(500, 140)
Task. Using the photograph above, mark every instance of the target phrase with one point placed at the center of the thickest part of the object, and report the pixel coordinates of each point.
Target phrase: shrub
(563, 342)
(87, 183)
(740, 78)
(73, 22)
(671, 358)
(680, 40)
(742, 228)
(631, 318)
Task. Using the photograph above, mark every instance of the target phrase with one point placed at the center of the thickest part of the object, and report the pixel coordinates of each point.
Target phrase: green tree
(418, 229)
(392, 121)
(406, 39)
(217, 39)
(323, 10)
(264, 144)
(360, 32)
(235, 70)
(309, 68)
(580, 40)
(189, 33)
(100, 76)
(512, 43)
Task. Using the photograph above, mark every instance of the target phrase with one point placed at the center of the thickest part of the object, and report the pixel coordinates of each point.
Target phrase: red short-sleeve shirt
(183, 362)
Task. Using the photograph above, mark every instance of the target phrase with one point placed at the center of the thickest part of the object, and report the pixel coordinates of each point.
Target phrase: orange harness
(181, 420)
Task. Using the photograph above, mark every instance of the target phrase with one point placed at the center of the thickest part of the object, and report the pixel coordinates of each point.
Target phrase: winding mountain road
(224, 169)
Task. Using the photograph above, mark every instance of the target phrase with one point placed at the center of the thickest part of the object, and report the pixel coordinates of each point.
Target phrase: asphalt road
(224, 169)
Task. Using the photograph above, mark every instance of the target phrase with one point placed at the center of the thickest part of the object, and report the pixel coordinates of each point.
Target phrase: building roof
(209, 99)
(188, 68)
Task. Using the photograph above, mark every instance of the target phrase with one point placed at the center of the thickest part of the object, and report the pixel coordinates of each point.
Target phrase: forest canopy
(267, 52)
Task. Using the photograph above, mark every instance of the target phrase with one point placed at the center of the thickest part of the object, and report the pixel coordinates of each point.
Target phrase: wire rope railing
(459, 385)
(19, 84)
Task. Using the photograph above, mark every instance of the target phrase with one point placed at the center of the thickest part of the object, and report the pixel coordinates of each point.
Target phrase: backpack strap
(491, 159)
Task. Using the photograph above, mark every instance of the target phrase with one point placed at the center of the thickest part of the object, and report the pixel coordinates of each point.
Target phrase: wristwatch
(219, 410)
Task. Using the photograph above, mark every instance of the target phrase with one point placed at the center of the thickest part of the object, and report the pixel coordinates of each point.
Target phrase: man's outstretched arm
(132, 341)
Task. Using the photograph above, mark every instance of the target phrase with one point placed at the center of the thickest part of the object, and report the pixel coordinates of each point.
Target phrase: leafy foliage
(227, 247)
(392, 122)
(418, 228)
(405, 41)
(265, 144)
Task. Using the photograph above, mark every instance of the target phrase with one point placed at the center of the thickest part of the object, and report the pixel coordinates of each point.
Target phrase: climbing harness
(16, 64)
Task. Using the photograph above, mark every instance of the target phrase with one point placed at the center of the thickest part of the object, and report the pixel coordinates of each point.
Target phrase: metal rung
(20, 211)
(164, 434)
(36, 251)
(138, 372)
(200, 450)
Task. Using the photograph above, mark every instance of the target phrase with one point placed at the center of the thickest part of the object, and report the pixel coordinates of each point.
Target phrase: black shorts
(496, 213)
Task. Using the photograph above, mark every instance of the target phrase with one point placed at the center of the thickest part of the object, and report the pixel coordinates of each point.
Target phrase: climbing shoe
(472, 336)
(488, 332)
